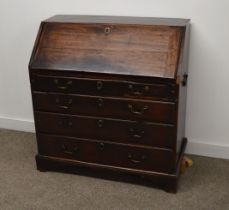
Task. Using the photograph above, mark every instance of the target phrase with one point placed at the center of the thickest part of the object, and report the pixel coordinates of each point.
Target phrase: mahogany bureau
(109, 96)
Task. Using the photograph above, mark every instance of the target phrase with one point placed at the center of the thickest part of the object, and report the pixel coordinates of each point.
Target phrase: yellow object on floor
(186, 163)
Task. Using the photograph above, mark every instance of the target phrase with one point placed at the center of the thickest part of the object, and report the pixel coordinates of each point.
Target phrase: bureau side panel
(182, 87)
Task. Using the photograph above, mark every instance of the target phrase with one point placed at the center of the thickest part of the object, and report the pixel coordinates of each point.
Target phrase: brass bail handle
(136, 111)
(62, 86)
(133, 160)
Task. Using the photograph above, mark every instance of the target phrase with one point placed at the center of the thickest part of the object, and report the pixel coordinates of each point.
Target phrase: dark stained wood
(105, 153)
(120, 108)
(119, 20)
(103, 76)
(102, 87)
(182, 89)
(109, 95)
(124, 50)
(166, 181)
(129, 132)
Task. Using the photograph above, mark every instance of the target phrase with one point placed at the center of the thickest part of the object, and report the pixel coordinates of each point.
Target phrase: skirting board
(193, 147)
(207, 149)
(17, 124)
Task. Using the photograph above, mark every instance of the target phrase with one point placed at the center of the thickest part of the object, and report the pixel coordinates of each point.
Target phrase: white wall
(208, 92)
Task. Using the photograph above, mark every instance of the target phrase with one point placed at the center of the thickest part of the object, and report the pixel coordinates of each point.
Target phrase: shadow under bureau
(109, 97)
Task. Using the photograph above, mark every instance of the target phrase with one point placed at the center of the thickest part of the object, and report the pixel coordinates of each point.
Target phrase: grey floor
(205, 186)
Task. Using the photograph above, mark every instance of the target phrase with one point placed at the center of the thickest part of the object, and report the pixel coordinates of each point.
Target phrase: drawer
(129, 132)
(161, 112)
(104, 87)
(106, 153)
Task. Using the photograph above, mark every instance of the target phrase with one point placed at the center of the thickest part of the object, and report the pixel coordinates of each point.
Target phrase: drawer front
(86, 86)
(106, 153)
(130, 132)
(161, 112)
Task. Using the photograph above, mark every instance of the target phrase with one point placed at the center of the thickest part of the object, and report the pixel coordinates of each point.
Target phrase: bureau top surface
(118, 20)
(107, 44)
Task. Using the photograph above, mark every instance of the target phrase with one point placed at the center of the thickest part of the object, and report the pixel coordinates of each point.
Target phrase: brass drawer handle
(63, 86)
(134, 160)
(136, 111)
(100, 102)
(138, 92)
(64, 105)
(107, 30)
(137, 134)
(68, 151)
